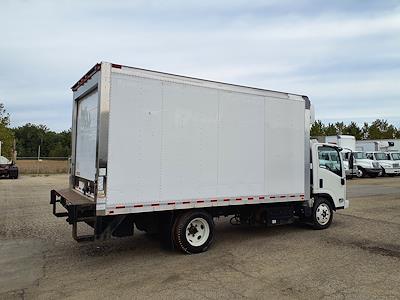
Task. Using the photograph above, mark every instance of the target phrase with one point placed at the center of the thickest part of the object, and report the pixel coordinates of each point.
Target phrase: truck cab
(394, 156)
(348, 163)
(329, 176)
(365, 166)
(389, 167)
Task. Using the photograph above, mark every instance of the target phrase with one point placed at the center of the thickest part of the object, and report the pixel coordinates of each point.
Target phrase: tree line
(29, 137)
(378, 129)
(58, 144)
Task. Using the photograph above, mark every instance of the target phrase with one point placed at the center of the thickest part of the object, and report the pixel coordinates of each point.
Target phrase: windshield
(329, 159)
(4, 161)
(360, 155)
(396, 156)
(380, 156)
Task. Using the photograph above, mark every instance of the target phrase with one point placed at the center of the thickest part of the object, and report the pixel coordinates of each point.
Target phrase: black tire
(360, 173)
(13, 174)
(321, 220)
(181, 227)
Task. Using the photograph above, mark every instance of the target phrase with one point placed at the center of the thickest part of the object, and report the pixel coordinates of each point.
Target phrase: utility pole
(14, 155)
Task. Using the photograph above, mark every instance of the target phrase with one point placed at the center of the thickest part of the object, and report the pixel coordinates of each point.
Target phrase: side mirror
(351, 161)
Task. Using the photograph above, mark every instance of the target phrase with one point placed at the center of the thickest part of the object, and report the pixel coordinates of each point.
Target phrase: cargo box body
(150, 141)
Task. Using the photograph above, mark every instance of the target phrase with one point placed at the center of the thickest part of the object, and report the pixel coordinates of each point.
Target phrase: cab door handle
(342, 181)
(321, 183)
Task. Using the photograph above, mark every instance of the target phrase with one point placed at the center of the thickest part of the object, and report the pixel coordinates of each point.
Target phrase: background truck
(366, 166)
(393, 156)
(355, 162)
(389, 167)
(382, 145)
(348, 145)
(169, 153)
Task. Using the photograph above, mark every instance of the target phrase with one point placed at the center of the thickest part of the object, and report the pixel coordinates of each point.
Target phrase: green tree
(330, 129)
(52, 144)
(317, 129)
(354, 130)
(397, 133)
(6, 134)
(339, 127)
(364, 131)
(29, 137)
(381, 129)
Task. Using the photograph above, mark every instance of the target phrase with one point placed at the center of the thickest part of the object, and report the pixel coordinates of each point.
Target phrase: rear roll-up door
(86, 136)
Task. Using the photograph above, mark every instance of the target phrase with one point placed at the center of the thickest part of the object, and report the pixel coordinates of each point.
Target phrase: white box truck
(167, 153)
(355, 162)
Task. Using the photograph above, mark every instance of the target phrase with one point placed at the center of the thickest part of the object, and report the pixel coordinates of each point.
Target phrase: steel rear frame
(79, 209)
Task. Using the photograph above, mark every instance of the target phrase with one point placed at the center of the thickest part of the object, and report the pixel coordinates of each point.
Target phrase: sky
(344, 55)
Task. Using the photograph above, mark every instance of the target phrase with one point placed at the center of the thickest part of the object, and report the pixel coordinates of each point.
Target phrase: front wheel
(360, 172)
(322, 214)
(193, 231)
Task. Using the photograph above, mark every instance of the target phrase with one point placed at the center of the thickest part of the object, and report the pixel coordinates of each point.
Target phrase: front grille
(395, 165)
(375, 165)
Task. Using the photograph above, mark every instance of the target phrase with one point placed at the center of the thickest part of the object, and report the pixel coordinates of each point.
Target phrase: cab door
(329, 175)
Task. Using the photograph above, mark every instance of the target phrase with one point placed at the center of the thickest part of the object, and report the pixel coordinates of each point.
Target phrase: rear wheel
(193, 231)
(360, 172)
(13, 174)
(322, 213)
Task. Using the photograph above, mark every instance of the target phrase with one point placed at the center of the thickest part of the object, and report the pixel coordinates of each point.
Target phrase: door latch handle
(321, 183)
(342, 181)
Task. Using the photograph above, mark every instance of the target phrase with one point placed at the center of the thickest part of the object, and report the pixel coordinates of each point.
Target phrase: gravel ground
(358, 257)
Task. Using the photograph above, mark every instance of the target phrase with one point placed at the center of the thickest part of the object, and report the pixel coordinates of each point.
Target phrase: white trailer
(383, 145)
(343, 141)
(168, 153)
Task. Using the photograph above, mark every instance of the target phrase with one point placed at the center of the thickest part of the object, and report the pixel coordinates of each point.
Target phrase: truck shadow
(142, 244)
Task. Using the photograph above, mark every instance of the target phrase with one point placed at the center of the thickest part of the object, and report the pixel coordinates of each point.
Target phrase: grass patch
(42, 167)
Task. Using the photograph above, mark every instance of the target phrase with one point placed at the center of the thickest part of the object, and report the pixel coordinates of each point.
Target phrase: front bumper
(352, 172)
(346, 204)
(373, 170)
(395, 171)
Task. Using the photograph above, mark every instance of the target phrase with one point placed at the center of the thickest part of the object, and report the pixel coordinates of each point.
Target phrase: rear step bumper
(79, 209)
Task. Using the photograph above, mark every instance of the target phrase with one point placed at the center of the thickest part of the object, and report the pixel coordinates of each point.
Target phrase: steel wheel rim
(197, 232)
(323, 214)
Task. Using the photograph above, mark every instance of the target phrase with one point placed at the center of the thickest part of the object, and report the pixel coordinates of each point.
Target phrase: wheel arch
(327, 197)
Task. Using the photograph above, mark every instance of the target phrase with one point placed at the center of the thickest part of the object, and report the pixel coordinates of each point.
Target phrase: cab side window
(329, 158)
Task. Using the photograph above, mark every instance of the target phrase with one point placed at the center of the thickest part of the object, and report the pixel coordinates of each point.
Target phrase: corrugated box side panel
(170, 141)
